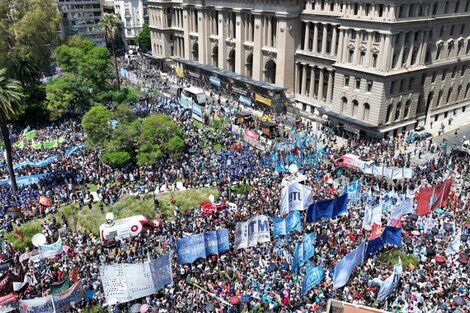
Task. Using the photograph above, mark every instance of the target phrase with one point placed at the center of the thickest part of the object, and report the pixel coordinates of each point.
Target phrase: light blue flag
(303, 251)
(284, 226)
(353, 190)
(346, 266)
(388, 286)
(314, 276)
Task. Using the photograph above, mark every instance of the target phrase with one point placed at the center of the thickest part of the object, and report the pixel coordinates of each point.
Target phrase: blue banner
(390, 235)
(284, 226)
(198, 246)
(303, 251)
(37, 305)
(314, 276)
(63, 300)
(245, 100)
(347, 265)
(25, 180)
(353, 190)
(214, 80)
(71, 151)
(327, 208)
(161, 272)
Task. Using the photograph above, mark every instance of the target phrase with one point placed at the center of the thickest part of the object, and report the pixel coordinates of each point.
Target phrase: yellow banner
(264, 100)
(180, 72)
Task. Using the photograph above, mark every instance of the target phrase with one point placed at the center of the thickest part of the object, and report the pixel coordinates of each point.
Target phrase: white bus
(192, 95)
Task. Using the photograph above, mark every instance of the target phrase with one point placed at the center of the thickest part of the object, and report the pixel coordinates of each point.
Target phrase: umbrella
(459, 301)
(439, 211)
(234, 300)
(144, 308)
(439, 259)
(135, 308)
(463, 260)
(415, 232)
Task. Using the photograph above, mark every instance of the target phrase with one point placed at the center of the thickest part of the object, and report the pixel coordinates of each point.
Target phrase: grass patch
(392, 258)
(92, 187)
(217, 147)
(242, 188)
(90, 220)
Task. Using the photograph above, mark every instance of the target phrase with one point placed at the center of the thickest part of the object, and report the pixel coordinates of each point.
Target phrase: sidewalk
(459, 120)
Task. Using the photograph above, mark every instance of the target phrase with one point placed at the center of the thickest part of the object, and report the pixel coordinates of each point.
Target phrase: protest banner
(295, 197)
(50, 251)
(327, 208)
(284, 226)
(252, 232)
(197, 246)
(8, 303)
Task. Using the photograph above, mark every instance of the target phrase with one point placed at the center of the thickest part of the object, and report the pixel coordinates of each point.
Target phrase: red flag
(18, 234)
(431, 198)
(44, 201)
(376, 231)
(6, 284)
(74, 275)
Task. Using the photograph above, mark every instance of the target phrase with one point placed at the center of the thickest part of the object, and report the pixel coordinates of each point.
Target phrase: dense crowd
(259, 277)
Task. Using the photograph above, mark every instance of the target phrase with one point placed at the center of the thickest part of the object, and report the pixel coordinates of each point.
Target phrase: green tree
(143, 38)
(97, 125)
(157, 132)
(110, 25)
(10, 99)
(116, 158)
(66, 95)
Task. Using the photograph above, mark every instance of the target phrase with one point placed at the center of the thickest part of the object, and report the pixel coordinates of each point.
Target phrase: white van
(125, 228)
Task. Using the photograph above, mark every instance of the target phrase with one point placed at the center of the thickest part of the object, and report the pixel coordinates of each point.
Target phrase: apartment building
(133, 14)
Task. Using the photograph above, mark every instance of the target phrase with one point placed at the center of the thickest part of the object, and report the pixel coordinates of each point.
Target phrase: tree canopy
(143, 38)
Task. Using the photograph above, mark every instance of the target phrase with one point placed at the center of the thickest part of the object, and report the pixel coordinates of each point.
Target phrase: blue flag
(199, 246)
(303, 251)
(284, 226)
(314, 276)
(327, 208)
(390, 235)
(353, 190)
(347, 265)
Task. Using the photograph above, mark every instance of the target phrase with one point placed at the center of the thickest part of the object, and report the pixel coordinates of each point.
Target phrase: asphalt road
(462, 134)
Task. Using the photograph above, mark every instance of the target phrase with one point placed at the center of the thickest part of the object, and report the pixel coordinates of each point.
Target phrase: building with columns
(376, 67)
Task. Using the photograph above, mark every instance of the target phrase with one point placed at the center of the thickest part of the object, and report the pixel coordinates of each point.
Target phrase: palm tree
(23, 69)
(10, 99)
(110, 25)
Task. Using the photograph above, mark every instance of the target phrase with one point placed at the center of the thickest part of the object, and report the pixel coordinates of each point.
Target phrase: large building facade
(81, 17)
(378, 67)
(133, 14)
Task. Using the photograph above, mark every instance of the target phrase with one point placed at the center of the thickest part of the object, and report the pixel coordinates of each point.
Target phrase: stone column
(222, 62)
(341, 44)
(333, 41)
(240, 39)
(186, 29)
(257, 46)
(356, 47)
(304, 79)
(297, 78)
(320, 84)
(315, 38)
(422, 44)
(381, 55)
(329, 92)
(387, 60)
(269, 42)
(402, 49)
(367, 61)
(312, 82)
(323, 41)
(307, 36)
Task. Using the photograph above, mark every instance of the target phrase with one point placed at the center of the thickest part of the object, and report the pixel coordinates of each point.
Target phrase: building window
(374, 60)
(446, 7)
(398, 111)
(344, 105)
(407, 109)
(346, 80)
(392, 87)
(454, 70)
(410, 83)
(362, 58)
(439, 98)
(444, 74)
(434, 76)
(356, 8)
(369, 85)
(377, 37)
(381, 10)
(402, 85)
(449, 94)
(462, 71)
(467, 89)
(367, 9)
(389, 113)
(350, 56)
(423, 78)
(355, 108)
(365, 114)
(358, 83)
(459, 90)
(457, 4)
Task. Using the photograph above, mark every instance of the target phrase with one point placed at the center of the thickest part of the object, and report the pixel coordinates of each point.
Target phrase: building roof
(230, 74)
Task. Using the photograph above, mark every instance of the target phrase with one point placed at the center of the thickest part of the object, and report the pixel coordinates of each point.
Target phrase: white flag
(454, 246)
(373, 215)
(388, 286)
(295, 197)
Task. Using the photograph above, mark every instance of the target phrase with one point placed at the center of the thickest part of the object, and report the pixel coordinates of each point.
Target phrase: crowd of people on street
(259, 277)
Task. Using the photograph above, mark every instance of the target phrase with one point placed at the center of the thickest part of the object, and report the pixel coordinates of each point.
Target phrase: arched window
(389, 113)
(215, 56)
(438, 52)
(350, 55)
(231, 61)
(457, 5)
(344, 105)
(439, 98)
(270, 72)
(459, 91)
(429, 101)
(467, 90)
(355, 108)
(365, 114)
(195, 52)
(249, 65)
(407, 109)
(398, 111)
(449, 94)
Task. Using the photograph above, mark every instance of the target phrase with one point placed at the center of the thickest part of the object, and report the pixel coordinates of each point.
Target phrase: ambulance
(125, 228)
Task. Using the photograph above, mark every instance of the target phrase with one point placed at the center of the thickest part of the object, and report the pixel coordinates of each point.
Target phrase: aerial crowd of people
(256, 279)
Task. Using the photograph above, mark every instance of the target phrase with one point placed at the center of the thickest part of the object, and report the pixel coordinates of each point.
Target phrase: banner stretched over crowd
(327, 208)
(314, 276)
(303, 251)
(284, 226)
(8, 303)
(198, 246)
(373, 215)
(431, 198)
(389, 172)
(347, 265)
(50, 251)
(60, 302)
(390, 235)
(252, 232)
(353, 190)
(388, 286)
(126, 282)
(295, 197)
